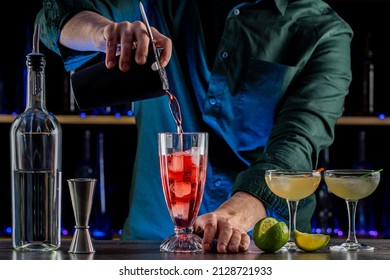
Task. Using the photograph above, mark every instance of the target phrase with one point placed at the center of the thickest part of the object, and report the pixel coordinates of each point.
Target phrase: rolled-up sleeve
(55, 13)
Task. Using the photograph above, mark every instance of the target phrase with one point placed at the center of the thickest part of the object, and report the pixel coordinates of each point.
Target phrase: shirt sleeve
(55, 13)
(51, 18)
(305, 120)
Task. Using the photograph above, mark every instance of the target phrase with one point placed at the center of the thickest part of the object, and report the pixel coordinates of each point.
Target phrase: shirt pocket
(260, 89)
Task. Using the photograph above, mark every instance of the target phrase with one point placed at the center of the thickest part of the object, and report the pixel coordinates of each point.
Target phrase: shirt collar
(281, 5)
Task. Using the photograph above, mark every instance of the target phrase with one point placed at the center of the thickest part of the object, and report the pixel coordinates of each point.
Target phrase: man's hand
(89, 31)
(230, 223)
(126, 37)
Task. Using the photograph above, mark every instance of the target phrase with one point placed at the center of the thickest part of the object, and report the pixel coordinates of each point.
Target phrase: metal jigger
(81, 193)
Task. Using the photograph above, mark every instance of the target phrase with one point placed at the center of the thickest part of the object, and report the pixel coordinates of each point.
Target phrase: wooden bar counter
(149, 250)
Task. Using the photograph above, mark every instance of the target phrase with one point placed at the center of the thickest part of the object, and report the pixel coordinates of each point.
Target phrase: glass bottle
(86, 168)
(323, 220)
(365, 217)
(101, 207)
(368, 106)
(36, 159)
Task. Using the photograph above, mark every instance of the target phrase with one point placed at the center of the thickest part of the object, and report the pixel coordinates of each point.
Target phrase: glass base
(182, 243)
(36, 247)
(351, 247)
(290, 246)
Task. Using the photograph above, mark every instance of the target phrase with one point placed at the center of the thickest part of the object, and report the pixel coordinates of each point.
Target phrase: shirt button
(236, 12)
(224, 55)
(217, 183)
(213, 101)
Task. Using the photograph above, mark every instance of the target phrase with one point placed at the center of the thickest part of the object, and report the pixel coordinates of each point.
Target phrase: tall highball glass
(183, 167)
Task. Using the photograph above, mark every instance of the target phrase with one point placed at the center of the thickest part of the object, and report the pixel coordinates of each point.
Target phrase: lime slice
(310, 242)
(269, 235)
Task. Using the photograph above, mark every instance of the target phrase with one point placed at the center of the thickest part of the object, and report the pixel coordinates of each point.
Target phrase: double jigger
(81, 193)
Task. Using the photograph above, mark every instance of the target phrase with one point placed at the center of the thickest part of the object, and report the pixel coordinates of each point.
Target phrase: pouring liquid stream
(174, 106)
(156, 66)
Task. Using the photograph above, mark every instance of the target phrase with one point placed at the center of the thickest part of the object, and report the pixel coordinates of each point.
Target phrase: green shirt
(270, 97)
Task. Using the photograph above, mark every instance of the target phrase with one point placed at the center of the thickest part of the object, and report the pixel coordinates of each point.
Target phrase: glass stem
(184, 230)
(292, 213)
(351, 207)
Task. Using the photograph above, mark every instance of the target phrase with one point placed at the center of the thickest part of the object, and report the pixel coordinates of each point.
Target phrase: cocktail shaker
(97, 86)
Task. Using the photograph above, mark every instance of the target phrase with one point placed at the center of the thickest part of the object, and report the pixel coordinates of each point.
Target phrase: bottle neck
(87, 145)
(36, 98)
(36, 90)
(362, 146)
(368, 77)
(362, 162)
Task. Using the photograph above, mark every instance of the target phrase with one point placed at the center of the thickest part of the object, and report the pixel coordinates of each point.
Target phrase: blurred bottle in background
(323, 218)
(365, 212)
(92, 165)
(368, 89)
(86, 168)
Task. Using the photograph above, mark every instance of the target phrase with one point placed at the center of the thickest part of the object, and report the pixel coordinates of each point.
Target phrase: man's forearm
(84, 32)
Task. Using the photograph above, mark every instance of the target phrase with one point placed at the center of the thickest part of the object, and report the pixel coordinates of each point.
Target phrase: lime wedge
(310, 242)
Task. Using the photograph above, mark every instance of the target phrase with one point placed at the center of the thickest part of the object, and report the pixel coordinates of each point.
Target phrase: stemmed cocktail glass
(183, 166)
(352, 185)
(292, 185)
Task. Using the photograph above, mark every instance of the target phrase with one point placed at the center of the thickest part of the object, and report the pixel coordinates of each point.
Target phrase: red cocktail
(183, 166)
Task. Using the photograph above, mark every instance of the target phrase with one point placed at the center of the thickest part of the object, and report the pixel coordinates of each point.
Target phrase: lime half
(269, 235)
